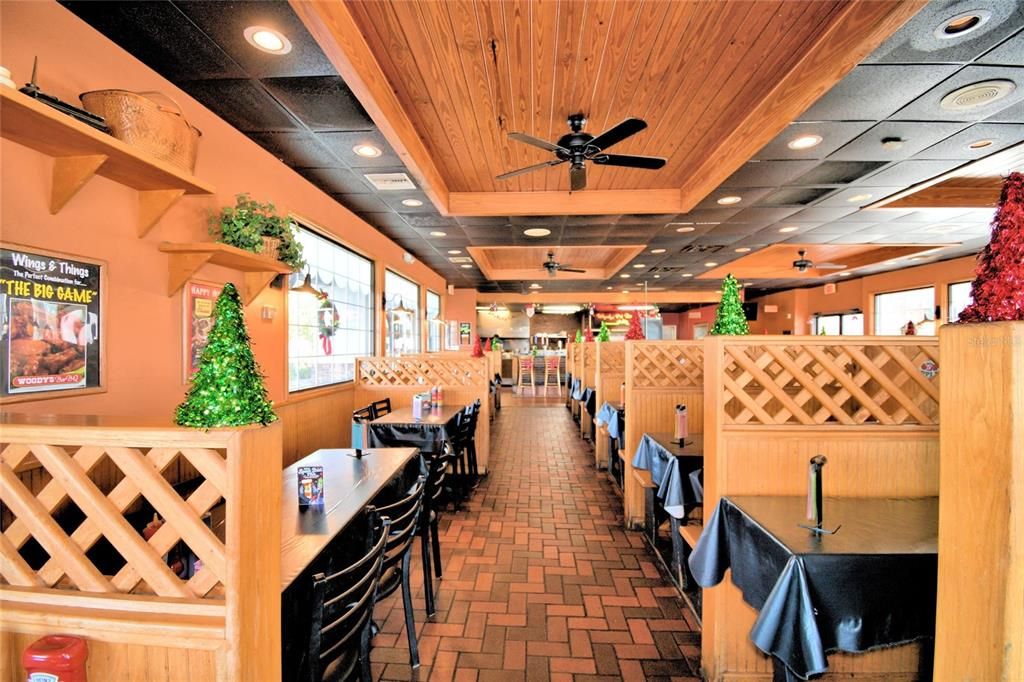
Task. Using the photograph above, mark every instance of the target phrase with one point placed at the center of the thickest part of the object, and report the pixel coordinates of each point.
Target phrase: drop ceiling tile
(867, 92)
(362, 203)
(430, 219)
(766, 173)
(927, 108)
(539, 220)
(833, 134)
(796, 196)
(654, 218)
(921, 40)
(858, 196)
(225, 23)
(810, 238)
(934, 215)
(336, 180)
(916, 136)
(762, 216)
(1002, 136)
(911, 172)
(1012, 114)
(323, 103)
(1009, 53)
(638, 232)
(242, 103)
(394, 199)
(299, 150)
(842, 228)
(483, 220)
(748, 197)
(389, 221)
(591, 219)
(159, 35)
(595, 232)
(343, 144)
(838, 172)
(817, 214)
(489, 241)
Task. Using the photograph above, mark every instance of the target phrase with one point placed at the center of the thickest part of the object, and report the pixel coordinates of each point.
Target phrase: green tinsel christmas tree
(227, 389)
(729, 317)
(604, 334)
(579, 336)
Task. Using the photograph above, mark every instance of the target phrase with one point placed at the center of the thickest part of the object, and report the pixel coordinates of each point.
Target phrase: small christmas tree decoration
(604, 334)
(478, 350)
(579, 336)
(588, 335)
(227, 388)
(487, 346)
(635, 331)
(997, 293)
(909, 329)
(729, 317)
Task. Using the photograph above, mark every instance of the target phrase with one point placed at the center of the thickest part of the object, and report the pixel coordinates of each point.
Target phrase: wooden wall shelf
(186, 259)
(79, 152)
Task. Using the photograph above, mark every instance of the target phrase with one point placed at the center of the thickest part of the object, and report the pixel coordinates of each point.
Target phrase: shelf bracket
(255, 283)
(153, 204)
(70, 173)
(182, 267)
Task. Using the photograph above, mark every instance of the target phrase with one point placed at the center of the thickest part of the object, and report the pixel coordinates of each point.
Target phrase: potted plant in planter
(253, 226)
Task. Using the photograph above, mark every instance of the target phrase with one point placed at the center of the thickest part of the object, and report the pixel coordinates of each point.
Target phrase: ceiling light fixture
(743, 249)
(804, 142)
(438, 233)
(980, 144)
(536, 286)
(730, 200)
(466, 266)
(412, 203)
(657, 250)
(267, 40)
(685, 229)
(961, 24)
(687, 274)
(639, 266)
(454, 252)
(537, 232)
(367, 151)
(710, 264)
(789, 228)
(609, 288)
(657, 277)
(845, 274)
(859, 197)
(624, 275)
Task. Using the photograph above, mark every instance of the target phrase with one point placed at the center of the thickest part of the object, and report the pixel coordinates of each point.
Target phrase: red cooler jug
(56, 658)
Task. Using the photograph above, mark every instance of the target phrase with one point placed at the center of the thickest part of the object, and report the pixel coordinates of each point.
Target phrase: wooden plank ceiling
(526, 262)
(714, 81)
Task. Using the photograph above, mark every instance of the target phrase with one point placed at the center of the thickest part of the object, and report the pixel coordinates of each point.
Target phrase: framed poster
(453, 335)
(199, 299)
(465, 332)
(51, 324)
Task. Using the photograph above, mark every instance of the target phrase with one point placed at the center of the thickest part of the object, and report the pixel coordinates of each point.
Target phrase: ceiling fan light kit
(578, 147)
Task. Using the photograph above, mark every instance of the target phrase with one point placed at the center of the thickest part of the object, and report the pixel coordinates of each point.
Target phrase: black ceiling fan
(803, 264)
(554, 267)
(578, 147)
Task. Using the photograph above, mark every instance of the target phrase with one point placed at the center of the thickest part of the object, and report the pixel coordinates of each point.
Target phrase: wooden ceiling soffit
(776, 261)
(612, 297)
(977, 184)
(588, 202)
(612, 259)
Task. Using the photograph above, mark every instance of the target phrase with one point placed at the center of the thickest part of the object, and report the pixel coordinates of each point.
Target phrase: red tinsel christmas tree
(998, 289)
(478, 351)
(635, 331)
(588, 335)
(487, 346)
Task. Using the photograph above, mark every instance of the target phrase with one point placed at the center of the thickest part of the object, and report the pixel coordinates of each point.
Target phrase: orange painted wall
(143, 324)
(462, 308)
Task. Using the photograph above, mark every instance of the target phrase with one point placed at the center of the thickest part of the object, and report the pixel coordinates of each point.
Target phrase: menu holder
(815, 499)
(681, 426)
(311, 486)
(358, 453)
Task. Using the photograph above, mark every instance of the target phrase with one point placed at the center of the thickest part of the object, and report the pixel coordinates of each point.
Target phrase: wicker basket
(270, 246)
(136, 119)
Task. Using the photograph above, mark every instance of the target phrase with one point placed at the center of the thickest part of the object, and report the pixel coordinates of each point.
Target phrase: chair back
(552, 362)
(526, 364)
(437, 474)
(472, 415)
(405, 516)
(379, 408)
(343, 608)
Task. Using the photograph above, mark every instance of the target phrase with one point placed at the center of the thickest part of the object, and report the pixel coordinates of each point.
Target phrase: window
(435, 325)
(959, 298)
(852, 324)
(839, 324)
(402, 303)
(319, 359)
(828, 325)
(894, 310)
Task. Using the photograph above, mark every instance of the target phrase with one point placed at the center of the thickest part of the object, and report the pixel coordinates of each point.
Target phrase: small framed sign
(465, 332)
(52, 331)
(311, 486)
(199, 299)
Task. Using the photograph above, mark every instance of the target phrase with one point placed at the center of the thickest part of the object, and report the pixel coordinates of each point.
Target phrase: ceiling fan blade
(830, 266)
(536, 142)
(577, 178)
(647, 162)
(616, 134)
(528, 169)
(565, 269)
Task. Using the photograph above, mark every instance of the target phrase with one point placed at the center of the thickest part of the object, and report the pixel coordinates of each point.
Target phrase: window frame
(949, 298)
(301, 223)
(874, 306)
(417, 325)
(430, 323)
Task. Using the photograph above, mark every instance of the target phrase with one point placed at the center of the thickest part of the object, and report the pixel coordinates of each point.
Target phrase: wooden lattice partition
(869, 404)
(659, 376)
(74, 559)
(463, 378)
(610, 372)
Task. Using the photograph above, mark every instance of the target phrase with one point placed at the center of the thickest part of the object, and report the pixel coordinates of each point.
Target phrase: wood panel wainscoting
(659, 376)
(588, 375)
(463, 378)
(575, 360)
(141, 620)
(610, 371)
(320, 419)
(869, 404)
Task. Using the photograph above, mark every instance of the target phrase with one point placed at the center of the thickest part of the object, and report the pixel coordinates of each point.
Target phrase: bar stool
(552, 366)
(526, 371)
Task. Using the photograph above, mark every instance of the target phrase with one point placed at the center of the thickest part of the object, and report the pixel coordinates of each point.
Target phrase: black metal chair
(339, 642)
(437, 475)
(406, 516)
(474, 416)
(379, 408)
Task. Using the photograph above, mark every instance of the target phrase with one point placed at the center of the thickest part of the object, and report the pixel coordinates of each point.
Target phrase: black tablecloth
(676, 472)
(428, 437)
(870, 585)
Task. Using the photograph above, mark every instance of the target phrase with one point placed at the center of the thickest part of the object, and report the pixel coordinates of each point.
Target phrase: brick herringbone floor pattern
(540, 581)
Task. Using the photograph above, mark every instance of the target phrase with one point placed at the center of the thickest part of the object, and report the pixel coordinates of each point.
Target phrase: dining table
(402, 427)
(869, 582)
(318, 538)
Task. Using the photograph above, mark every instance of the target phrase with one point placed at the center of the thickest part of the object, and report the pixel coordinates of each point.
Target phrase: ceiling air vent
(461, 259)
(977, 95)
(667, 268)
(701, 248)
(388, 182)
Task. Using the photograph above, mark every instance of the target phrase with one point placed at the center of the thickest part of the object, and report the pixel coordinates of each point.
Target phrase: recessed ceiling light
(537, 232)
(657, 277)
(789, 228)
(412, 202)
(978, 94)
(267, 40)
(710, 264)
(609, 288)
(961, 24)
(657, 250)
(454, 252)
(743, 249)
(687, 274)
(685, 229)
(804, 142)
(438, 233)
(845, 274)
(639, 266)
(536, 286)
(624, 275)
(980, 144)
(728, 201)
(466, 266)
(859, 197)
(625, 291)
(370, 152)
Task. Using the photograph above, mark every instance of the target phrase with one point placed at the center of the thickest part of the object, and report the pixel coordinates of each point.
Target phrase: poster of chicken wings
(50, 324)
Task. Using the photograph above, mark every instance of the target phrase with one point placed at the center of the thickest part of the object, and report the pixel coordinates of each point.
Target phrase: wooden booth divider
(463, 378)
(659, 376)
(588, 376)
(108, 583)
(869, 404)
(574, 360)
(610, 372)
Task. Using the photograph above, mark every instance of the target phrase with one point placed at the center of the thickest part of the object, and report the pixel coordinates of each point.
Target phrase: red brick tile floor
(540, 580)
